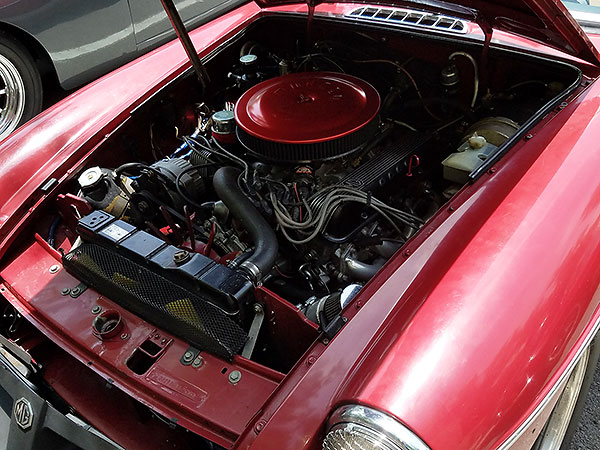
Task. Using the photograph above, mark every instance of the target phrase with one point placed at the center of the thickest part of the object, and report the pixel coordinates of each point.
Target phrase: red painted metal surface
(307, 107)
(201, 399)
(460, 336)
(544, 21)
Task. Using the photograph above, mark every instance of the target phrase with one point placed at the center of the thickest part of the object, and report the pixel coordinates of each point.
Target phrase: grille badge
(23, 413)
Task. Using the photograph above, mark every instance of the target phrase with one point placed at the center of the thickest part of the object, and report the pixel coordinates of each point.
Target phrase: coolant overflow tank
(480, 141)
(471, 154)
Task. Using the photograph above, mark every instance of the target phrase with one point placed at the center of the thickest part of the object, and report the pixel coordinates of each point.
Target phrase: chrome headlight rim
(372, 422)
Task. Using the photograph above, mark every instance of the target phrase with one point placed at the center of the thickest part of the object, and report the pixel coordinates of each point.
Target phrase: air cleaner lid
(307, 107)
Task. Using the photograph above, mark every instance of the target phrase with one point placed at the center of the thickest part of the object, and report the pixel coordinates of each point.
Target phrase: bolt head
(235, 377)
(198, 362)
(188, 356)
(124, 336)
(54, 268)
(65, 291)
(96, 309)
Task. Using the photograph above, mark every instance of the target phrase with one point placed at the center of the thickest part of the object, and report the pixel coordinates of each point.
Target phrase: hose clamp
(252, 269)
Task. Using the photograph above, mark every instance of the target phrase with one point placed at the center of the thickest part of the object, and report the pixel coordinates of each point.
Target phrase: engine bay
(288, 182)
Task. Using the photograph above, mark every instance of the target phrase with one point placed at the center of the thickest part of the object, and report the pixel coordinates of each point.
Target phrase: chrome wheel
(12, 97)
(555, 430)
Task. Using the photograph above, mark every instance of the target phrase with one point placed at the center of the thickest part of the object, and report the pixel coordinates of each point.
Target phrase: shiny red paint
(307, 107)
(466, 335)
(200, 399)
(544, 21)
(460, 336)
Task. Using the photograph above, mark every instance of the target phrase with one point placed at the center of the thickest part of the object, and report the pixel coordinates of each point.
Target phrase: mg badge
(23, 413)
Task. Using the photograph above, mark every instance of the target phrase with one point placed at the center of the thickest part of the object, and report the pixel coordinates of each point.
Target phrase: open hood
(544, 21)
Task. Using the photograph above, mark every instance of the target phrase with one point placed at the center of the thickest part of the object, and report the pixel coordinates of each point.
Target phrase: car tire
(562, 423)
(21, 90)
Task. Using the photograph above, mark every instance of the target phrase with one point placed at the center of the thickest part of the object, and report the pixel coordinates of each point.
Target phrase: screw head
(235, 377)
(259, 426)
(54, 268)
(96, 309)
(125, 336)
(188, 356)
(65, 291)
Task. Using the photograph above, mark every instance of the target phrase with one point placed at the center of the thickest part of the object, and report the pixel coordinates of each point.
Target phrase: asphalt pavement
(587, 436)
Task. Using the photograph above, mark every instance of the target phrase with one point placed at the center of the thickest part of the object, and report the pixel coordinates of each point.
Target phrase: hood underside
(544, 21)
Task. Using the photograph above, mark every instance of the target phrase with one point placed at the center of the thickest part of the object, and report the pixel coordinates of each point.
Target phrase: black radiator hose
(225, 182)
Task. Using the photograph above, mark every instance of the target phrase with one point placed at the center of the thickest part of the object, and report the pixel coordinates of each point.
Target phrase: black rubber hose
(225, 182)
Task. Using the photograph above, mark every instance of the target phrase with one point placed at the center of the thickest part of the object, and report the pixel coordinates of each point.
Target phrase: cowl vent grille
(409, 18)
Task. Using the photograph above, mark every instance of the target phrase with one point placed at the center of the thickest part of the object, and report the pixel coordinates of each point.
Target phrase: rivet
(54, 268)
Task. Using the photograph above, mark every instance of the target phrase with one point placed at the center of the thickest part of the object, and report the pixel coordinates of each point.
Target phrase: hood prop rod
(185, 40)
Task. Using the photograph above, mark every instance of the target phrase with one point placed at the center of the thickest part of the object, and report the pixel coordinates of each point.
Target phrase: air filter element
(307, 116)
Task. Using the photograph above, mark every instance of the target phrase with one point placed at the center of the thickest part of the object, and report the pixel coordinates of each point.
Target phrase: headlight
(355, 427)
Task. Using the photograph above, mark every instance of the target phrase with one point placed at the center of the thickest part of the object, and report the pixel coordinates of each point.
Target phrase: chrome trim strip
(544, 403)
(409, 18)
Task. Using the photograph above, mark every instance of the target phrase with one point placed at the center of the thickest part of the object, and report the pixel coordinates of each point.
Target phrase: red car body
(461, 336)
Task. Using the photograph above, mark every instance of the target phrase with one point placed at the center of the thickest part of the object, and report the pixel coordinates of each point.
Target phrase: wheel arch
(40, 54)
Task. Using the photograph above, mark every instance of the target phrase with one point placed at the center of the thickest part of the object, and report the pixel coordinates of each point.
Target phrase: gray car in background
(78, 41)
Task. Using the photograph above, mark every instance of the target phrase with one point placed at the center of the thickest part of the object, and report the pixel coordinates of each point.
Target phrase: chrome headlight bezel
(372, 425)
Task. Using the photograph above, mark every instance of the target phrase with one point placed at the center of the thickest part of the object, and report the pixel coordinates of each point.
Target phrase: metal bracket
(189, 356)
(259, 316)
(20, 359)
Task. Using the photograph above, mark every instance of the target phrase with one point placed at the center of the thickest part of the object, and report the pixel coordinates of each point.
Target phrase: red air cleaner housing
(307, 116)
